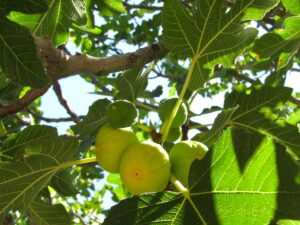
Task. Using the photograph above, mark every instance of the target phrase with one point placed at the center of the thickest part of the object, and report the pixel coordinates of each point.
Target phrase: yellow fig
(110, 146)
(145, 167)
(182, 154)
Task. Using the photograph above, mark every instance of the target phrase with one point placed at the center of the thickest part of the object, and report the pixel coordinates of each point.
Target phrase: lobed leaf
(31, 138)
(293, 6)
(132, 82)
(25, 6)
(253, 114)
(54, 23)
(210, 137)
(63, 183)
(46, 214)
(18, 58)
(282, 43)
(211, 33)
(21, 181)
(263, 191)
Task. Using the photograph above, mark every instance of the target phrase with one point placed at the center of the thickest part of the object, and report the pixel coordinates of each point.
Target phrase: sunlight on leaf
(211, 34)
(222, 193)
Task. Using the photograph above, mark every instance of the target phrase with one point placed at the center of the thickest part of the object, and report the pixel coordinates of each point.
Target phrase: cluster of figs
(144, 166)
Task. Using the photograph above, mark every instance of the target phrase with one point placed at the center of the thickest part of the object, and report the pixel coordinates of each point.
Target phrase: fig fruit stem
(179, 186)
(167, 124)
(78, 162)
(145, 106)
(143, 127)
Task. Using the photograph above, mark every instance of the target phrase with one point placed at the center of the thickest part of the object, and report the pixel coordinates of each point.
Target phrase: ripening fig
(182, 154)
(111, 144)
(145, 167)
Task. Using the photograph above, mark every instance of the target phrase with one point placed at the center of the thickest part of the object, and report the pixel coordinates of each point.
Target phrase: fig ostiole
(111, 143)
(145, 167)
(182, 154)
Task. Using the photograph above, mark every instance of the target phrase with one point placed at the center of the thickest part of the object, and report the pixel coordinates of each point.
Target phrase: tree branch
(60, 65)
(23, 102)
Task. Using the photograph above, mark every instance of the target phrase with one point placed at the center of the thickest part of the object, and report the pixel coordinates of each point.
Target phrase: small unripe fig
(121, 113)
(182, 154)
(145, 167)
(110, 146)
(174, 134)
(165, 108)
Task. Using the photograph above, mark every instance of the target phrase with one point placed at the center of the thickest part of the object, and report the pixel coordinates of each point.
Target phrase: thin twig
(51, 120)
(63, 102)
(98, 84)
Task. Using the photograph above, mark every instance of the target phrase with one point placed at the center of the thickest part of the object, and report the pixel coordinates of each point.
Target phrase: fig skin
(182, 155)
(165, 108)
(111, 143)
(121, 113)
(145, 167)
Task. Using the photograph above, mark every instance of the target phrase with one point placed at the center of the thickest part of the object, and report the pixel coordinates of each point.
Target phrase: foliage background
(254, 142)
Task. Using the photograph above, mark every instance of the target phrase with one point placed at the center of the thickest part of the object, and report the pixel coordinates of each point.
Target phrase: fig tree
(182, 154)
(111, 144)
(145, 167)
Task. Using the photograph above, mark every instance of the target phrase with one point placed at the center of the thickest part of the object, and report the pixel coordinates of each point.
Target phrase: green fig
(174, 134)
(111, 143)
(165, 109)
(145, 167)
(121, 113)
(182, 154)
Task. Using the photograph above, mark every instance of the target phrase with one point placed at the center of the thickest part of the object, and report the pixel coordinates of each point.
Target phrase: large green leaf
(30, 140)
(210, 34)
(54, 23)
(254, 114)
(21, 181)
(46, 214)
(282, 43)
(8, 90)
(263, 192)
(18, 58)
(25, 6)
(293, 6)
(132, 82)
(95, 118)
(63, 183)
(210, 137)
(115, 5)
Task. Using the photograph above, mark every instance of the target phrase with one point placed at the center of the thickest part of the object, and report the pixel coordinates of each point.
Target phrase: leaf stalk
(167, 124)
